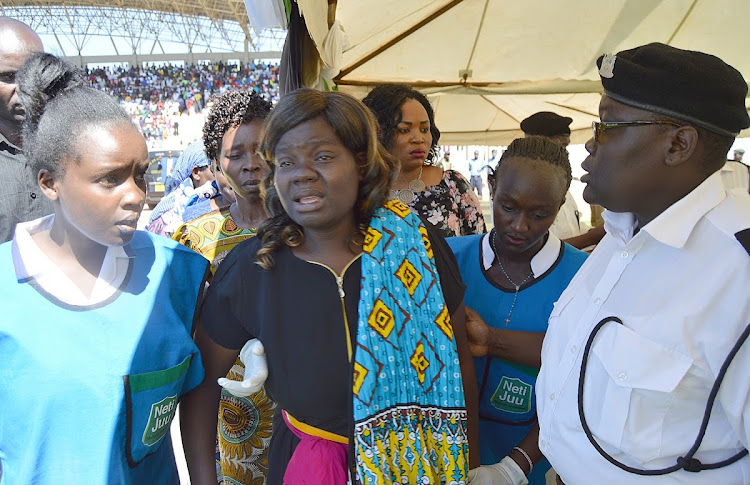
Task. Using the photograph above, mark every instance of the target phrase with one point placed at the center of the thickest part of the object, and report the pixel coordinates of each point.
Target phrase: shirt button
(623, 376)
(573, 349)
(33, 195)
(624, 255)
(543, 444)
(552, 396)
(597, 301)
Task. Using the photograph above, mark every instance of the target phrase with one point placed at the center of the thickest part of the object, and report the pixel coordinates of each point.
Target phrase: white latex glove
(507, 472)
(253, 355)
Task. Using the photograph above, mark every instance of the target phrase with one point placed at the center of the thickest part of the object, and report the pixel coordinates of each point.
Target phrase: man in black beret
(550, 125)
(637, 341)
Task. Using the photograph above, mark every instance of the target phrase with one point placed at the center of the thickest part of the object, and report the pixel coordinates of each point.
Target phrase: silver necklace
(518, 287)
(408, 195)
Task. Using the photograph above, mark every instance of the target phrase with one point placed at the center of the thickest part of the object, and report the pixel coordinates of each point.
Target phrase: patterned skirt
(244, 433)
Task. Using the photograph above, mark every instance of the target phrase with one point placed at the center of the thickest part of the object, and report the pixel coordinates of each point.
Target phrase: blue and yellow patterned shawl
(409, 410)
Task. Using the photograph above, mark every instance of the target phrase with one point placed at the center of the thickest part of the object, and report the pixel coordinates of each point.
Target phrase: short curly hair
(385, 103)
(230, 109)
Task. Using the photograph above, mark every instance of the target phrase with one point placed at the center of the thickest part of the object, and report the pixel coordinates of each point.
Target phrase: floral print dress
(451, 206)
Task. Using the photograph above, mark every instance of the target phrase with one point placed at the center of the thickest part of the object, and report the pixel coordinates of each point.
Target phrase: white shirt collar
(673, 226)
(540, 263)
(31, 263)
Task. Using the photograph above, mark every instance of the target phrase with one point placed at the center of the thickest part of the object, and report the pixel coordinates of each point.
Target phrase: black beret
(692, 86)
(546, 123)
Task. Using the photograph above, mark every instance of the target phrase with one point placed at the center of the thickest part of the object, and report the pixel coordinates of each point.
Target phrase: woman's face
(526, 196)
(412, 141)
(317, 177)
(101, 193)
(239, 162)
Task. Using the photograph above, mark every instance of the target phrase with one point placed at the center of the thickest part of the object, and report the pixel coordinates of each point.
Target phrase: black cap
(546, 123)
(692, 86)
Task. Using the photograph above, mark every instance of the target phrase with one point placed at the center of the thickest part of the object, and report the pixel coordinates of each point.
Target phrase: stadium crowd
(157, 97)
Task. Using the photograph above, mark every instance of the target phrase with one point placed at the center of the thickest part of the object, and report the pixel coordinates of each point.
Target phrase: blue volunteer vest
(507, 400)
(87, 394)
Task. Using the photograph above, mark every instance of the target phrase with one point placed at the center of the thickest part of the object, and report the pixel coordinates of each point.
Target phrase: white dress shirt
(31, 263)
(681, 286)
(568, 221)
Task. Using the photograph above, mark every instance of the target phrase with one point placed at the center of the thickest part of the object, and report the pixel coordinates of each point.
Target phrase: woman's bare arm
(471, 393)
(199, 410)
(517, 346)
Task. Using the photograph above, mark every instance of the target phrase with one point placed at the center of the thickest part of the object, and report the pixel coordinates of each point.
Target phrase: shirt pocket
(639, 382)
(150, 405)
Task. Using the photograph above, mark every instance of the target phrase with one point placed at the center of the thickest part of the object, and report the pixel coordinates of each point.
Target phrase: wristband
(525, 455)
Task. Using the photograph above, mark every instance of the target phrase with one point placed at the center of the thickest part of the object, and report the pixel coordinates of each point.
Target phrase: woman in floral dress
(407, 129)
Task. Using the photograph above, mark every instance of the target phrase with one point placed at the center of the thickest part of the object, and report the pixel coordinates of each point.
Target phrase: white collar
(673, 226)
(31, 263)
(540, 263)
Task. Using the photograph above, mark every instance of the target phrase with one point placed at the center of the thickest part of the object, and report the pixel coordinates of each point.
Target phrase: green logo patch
(512, 395)
(161, 416)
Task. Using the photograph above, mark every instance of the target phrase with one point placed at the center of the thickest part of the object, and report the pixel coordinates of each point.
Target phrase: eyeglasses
(600, 126)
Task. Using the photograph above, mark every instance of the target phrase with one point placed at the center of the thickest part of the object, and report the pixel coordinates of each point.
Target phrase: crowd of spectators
(157, 97)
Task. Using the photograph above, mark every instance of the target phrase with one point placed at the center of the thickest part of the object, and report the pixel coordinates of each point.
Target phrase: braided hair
(539, 148)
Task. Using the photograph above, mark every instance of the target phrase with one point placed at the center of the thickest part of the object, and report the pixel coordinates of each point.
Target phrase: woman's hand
(478, 333)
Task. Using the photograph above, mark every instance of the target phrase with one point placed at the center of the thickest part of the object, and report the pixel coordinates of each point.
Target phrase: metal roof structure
(146, 29)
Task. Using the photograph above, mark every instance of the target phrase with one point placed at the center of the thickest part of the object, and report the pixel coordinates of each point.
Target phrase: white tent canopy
(488, 64)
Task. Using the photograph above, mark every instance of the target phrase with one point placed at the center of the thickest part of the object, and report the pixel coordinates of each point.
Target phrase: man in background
(738, 154)
(20, 197)
(475, 173)
(735, 174)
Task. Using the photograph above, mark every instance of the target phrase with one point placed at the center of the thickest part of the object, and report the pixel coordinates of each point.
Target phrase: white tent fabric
(488, 64)
(266, 14)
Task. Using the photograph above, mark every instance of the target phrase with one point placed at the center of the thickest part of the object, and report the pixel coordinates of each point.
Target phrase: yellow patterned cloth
(409, 409)
(212, 235)
(244, 428)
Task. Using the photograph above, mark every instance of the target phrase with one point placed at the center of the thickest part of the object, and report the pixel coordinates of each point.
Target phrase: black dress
(295, 311)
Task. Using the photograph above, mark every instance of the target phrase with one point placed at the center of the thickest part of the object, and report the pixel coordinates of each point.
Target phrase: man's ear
(683, 144)
(194, 173)
(491, 181)
(48, 183)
